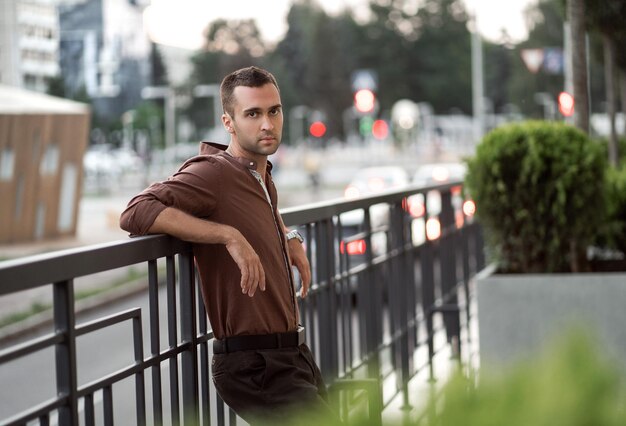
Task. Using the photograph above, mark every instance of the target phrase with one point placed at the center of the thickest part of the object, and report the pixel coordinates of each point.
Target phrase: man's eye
(275, 111)
(252, 114)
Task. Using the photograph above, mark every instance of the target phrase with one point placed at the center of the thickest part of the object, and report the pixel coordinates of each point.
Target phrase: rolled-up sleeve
(194, 189)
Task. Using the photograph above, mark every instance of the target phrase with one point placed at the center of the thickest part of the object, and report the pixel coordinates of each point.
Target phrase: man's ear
(228, 122)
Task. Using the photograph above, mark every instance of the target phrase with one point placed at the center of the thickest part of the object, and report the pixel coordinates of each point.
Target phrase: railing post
(426, 259)
(140, 387)
(172, 331)
(189, 359)
(448, 272)
(328, 314)
(65, 352)
(397, 303)
(372, 308)
(155, 341)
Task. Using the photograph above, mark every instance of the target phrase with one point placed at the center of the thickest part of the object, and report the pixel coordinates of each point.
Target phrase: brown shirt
(218, 187)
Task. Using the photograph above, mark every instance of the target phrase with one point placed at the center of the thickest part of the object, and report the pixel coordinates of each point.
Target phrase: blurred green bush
(571, 385)
(538, 188)
(612, 234)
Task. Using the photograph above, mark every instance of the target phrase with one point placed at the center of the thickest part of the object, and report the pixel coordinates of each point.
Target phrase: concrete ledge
(520, 314)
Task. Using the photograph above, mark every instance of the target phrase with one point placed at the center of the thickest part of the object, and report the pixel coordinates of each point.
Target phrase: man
(225, 202)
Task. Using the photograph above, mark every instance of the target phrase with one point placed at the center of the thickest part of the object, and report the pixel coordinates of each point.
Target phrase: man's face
(257, 122)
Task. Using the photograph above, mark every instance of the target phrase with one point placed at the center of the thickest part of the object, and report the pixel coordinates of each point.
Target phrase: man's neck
(261, 160)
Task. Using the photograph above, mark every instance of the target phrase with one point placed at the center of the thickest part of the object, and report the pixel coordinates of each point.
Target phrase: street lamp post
(168, 95)
(478, 90)
(212, 91)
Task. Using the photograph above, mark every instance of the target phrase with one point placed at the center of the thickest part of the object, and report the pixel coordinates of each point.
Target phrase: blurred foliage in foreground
(570, 385)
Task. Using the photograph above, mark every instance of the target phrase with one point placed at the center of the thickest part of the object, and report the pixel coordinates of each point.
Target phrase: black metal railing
(367, 313)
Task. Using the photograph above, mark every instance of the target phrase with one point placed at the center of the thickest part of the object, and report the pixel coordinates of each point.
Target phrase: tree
(313, 62)
(228, 45)
(545, 23)
(607, 17)
(576, 18)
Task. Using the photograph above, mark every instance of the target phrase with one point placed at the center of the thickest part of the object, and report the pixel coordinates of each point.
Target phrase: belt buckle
(301, 335)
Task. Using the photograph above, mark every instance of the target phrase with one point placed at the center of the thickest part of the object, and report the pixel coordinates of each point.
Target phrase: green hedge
(538, 188)
(621, 149)
(613, 233)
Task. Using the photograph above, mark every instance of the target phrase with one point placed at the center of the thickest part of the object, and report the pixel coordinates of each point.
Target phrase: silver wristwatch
(294, 234)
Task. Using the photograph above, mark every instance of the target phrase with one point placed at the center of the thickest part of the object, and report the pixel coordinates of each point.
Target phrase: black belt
(290, 339)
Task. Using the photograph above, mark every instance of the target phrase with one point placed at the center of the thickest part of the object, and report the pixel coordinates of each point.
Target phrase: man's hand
(252, 272)
(300, 261)
(189, 228)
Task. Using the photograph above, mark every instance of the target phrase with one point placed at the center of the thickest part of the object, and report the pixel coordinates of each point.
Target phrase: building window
(67, 200)
(50, 161)
(19, 198)
(7, 164)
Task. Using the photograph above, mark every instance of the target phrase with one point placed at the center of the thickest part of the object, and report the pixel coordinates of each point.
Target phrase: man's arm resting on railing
(186, 227)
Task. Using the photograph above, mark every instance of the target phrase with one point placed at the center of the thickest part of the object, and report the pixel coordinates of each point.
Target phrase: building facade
(104, 53)
(42, 141)
(29, 43)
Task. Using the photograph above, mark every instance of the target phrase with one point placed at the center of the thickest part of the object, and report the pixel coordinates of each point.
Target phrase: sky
(180, 23)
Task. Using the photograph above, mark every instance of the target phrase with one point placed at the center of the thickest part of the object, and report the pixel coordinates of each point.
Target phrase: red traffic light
(380, 129)
(364, 100)
(317, 129)
(566, 104)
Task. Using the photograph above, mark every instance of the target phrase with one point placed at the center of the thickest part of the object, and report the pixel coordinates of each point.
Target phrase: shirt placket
(280, 236)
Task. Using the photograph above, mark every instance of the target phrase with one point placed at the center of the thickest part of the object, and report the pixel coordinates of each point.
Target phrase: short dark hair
(249, 77)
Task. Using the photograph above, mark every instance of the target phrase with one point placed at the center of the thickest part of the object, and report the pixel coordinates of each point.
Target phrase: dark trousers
(274, 386)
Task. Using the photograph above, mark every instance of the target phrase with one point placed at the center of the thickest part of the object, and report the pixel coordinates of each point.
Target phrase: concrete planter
(520, 314)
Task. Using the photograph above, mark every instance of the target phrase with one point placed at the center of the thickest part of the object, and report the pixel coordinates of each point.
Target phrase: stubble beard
(268, 150)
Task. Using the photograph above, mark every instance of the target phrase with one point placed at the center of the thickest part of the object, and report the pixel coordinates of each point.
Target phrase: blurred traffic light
(364, 101)
(380, 129)
(365, 125)
(317, 129)
(566, 104)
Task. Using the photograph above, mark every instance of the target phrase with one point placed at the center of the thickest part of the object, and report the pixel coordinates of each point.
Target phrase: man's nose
(267, 123)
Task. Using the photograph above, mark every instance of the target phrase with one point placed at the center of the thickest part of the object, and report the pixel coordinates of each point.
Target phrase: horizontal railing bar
(114, 377)
(204, 337)
(323, 210)
(29, 272)
(130, 370)
(30, 347)
(35, 412)
(113, 319)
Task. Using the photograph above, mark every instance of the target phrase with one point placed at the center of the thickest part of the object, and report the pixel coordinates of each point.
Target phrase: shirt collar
(245, 162)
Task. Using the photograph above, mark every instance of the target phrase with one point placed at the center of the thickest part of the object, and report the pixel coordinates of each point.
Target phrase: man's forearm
(186, 227)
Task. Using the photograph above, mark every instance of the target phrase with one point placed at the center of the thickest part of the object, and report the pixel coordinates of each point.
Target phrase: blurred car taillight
(440, 174)
(433, 228)
(415, 207)
(469, 208)
(351, 192)
(353, 247)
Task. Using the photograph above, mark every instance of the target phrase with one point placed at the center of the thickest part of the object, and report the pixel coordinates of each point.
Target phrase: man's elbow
(128, 224)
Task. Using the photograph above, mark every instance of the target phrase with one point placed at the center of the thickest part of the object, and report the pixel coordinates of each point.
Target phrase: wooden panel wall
(29, 200)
